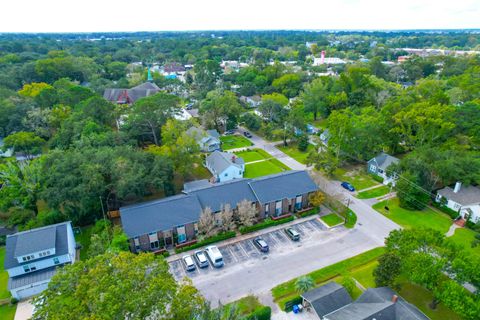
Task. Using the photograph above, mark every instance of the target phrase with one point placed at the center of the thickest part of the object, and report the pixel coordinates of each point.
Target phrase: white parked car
(188, 263)
(201, 259)
(215, 256)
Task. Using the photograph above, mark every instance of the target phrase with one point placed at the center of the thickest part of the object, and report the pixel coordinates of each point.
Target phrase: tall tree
(220, 110)
(247, 213)
(24, 142)
(149, 114)
(117, 286)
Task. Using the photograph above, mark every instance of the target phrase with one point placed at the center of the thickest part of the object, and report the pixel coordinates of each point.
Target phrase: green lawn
(7, 312)
(357, 177)
(264, 168)
(374, 193)
(4, 293)
(408, 219)
(253, 155)
(364, 274)
(465, 237)
(292, 151)
(84, 239)
(286, 291)
(421, 297)
(332, 219)
(234, 141)
(414, 294)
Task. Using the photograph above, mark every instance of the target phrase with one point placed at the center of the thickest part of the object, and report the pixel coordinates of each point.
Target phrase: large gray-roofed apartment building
(153, 225)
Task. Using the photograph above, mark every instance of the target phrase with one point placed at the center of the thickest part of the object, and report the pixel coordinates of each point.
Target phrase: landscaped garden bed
(207, 241)
(266, 224)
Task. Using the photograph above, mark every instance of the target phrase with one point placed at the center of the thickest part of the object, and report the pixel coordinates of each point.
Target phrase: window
(33, 268)
(278, 207)
(48, 252)
(28, 258)
(298, 203)
(226, 174)
(56, 261)
(136, 242)
(24, 258)
(373, 168)
(26, 268)
(267, 208)
(154, 245)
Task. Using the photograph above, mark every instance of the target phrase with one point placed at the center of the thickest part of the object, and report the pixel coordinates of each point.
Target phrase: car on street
(292, 234)
(260, 244)
(347, 186)
(229, 132)
(188, 263)
(215, 256)
(201, 259)
(247, 134)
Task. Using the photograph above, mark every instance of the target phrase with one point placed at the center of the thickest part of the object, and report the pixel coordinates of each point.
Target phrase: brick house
(154, 225)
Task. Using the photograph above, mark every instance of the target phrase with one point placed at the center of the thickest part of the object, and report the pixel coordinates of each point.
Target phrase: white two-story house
(32, 257)
(225, 166)
(464, 200)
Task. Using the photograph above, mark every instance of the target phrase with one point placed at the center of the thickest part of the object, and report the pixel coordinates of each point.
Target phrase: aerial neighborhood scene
(220, 160)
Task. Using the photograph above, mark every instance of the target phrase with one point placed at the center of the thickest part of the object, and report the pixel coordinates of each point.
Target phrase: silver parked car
(188, 263)
(201, 259)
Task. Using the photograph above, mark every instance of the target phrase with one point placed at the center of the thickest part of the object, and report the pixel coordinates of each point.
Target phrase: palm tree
(304, 284)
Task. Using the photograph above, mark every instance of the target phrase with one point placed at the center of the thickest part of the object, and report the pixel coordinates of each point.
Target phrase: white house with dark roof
(154, 225)
(379, 166)
(225, 166)
(464, 200)
(208, 140)
(32, 256)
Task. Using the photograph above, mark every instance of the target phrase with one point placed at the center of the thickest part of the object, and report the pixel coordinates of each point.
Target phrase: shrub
(376, 178)
(302, 143)
(13, 301)
(207, 241)
(263, 313)
(290, 303)
(349, 284)
(166, 254)
(452, 213)
(350, 219)
(265, 224)
(309, 212)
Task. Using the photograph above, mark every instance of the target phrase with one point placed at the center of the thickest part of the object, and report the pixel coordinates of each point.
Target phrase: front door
(168, 238)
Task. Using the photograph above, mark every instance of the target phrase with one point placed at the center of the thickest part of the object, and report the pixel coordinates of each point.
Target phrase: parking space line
(234, 257)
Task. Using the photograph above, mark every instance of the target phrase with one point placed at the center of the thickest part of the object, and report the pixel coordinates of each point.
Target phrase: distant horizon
(473, 30)
(107, 16)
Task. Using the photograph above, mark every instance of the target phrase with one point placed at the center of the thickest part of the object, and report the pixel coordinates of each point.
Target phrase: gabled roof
(204, 137)
(283, 185)
(465, 196)
(35, 240)
(166, 213)
(122, 95)
(231, 192)
(160, 215)
(384, 160)
(327, 298)
(377, 303)
(219, 161)
(31, 278)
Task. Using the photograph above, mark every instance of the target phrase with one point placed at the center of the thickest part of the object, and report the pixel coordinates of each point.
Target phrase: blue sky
(158, 15)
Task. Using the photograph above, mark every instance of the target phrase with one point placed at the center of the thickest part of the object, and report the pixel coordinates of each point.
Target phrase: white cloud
(150, 15)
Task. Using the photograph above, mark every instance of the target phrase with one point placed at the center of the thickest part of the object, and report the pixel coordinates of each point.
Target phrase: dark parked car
(348, 186)
(247, 134)
(292, 234)
(260, 244)
(229, 132)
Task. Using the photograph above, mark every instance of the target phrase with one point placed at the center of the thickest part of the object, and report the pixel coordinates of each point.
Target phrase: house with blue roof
(155, 225)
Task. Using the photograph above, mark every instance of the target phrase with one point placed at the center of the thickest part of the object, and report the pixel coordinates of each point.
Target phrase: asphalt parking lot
(246, 253)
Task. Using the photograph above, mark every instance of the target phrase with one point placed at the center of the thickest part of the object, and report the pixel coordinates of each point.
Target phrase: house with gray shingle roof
(463, 199)
(154, 225)
(208, 141)
(225, 166)
(379, 166)
(332, 302)
(31, 257)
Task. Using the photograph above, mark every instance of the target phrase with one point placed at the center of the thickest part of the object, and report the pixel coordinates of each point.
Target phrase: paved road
(259, 276)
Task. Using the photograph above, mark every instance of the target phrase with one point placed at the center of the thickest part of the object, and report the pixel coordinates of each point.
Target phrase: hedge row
(288, 306)
(452, 213)
(207, 241)
(263, 313)
(265, 224)
(309, 212)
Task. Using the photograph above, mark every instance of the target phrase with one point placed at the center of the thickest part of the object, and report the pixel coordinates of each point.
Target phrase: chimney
(233, 159)
(458, 185)
(394, 298)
